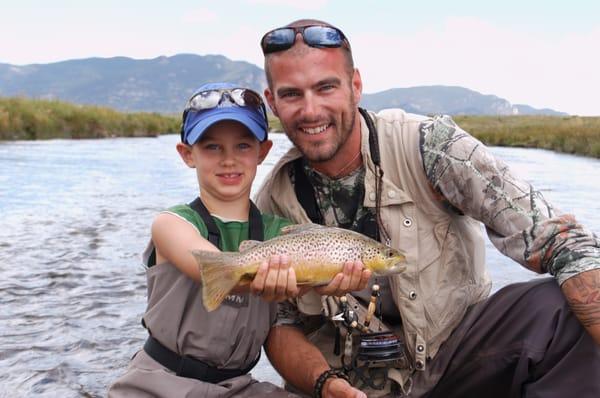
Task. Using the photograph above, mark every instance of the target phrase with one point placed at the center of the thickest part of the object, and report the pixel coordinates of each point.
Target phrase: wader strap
(305, 193)
(382, 233)
(214, 235)
(373, 139)
(255, 224)
(189, 367)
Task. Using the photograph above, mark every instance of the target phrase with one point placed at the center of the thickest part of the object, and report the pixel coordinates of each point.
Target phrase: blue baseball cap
(196, 122)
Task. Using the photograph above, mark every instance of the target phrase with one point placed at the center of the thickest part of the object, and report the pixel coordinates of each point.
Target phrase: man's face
(315, 98)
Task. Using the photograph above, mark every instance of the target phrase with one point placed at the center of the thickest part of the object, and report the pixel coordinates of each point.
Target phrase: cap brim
(199, 122)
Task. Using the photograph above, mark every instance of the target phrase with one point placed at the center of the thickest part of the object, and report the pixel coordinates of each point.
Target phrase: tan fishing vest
(445, 251)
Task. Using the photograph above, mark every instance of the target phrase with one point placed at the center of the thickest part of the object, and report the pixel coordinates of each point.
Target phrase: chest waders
(378, 350)
(185, 366)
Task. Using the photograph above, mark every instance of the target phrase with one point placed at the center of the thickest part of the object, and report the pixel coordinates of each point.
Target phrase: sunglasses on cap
(237, 96)
(221, 98)
(318, 36)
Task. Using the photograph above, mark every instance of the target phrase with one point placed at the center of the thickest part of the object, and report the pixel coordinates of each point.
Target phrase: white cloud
(297, 4)
(199, 15)
(522, 67)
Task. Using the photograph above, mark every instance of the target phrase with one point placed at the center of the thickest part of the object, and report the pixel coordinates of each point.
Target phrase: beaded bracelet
(337, 373)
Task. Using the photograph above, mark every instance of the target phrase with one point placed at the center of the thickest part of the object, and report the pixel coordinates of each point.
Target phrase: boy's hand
(275, 280)
(354, 276)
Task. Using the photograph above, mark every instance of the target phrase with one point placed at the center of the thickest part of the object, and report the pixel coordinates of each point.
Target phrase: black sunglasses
(313, 35)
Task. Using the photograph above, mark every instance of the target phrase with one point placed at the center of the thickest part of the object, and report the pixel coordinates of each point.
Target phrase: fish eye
(389, 252)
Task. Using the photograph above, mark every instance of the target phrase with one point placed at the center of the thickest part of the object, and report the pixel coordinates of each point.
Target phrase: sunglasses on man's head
(313, 35)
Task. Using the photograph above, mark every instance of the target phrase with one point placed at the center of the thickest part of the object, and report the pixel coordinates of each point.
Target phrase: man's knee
(538, 298)
(536, 312)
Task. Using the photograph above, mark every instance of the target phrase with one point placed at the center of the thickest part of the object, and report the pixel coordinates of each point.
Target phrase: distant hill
(527, 110)
(448, 100)
(163, 85)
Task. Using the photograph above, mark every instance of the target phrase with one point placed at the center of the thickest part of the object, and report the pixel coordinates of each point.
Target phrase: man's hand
(340, 388)
(354, 276)
(275, 280)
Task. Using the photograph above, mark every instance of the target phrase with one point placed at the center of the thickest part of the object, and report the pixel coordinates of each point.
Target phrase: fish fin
(249, 244)
(220, 273)
(299, 228)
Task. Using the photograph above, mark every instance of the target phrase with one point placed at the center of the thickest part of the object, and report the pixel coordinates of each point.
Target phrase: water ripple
(72, 288)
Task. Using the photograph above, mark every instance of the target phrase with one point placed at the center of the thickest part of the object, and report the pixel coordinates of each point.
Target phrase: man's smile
(315, 130)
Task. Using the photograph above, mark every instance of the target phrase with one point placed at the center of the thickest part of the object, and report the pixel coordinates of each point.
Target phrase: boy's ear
(265, 147)
(185, 151)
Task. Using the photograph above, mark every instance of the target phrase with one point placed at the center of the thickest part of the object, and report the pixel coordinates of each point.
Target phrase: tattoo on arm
(583, 294)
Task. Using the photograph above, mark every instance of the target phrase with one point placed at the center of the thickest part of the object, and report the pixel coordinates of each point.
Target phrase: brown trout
(316, 253)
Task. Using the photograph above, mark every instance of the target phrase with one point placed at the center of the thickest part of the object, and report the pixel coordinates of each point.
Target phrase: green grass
(26, 119)
(567, 134)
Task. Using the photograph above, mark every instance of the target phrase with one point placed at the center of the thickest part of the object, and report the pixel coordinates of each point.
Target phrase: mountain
(527, 110)
(447, 100)
(163, 85)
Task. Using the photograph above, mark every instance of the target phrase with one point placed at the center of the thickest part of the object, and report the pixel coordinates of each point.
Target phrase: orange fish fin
(220, 273)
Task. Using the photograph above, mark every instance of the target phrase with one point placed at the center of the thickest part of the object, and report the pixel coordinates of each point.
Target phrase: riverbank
(566, 134)
(26, 119)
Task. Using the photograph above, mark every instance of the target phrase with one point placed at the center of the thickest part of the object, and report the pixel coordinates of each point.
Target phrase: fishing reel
(376, 351)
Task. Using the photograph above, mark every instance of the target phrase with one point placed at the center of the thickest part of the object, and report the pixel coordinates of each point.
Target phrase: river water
(75, 215)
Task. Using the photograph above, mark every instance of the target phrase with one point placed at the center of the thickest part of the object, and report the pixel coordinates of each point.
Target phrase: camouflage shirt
(519, 221)
(340, 200)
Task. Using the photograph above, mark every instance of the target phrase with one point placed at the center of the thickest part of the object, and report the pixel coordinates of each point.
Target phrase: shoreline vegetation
(28, 119)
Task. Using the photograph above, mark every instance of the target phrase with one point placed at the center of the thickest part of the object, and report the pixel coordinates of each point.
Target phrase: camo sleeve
(518, 220)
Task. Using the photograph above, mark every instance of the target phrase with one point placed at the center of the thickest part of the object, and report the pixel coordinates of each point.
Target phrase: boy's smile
(230, 178)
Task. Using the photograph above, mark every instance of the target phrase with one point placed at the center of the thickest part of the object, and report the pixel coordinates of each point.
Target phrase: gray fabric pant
(146, 378)
(523, 341)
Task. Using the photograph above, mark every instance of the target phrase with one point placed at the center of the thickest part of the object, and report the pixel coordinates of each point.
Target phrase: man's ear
(356, 85)
(265, 147)
(271, 101)
(185, 151)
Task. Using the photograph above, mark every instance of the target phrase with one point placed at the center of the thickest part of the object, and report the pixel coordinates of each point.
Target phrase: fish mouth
(393, 266)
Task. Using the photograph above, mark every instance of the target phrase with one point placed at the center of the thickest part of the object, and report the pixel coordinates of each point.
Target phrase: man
(420, 183)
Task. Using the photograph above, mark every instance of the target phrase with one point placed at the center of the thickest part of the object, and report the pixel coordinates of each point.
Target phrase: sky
(545, 54)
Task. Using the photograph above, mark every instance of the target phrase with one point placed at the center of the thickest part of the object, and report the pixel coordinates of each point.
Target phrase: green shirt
(232, 232)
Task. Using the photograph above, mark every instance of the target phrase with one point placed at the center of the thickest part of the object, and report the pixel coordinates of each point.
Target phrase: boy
(190, 352)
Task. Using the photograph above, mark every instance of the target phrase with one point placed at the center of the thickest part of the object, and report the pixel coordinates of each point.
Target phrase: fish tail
(220, 273)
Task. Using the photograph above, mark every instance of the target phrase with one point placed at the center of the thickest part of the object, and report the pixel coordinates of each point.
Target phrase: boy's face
(225, 159)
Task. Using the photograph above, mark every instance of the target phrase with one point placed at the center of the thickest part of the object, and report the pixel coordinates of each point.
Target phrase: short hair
(349, 64)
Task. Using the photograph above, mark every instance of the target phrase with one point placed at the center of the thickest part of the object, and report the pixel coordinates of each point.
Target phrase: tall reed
(567, 134)
(27, 119)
